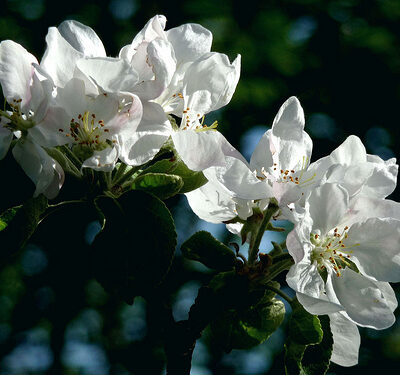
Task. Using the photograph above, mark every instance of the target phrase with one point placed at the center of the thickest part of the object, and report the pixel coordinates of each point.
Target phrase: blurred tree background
(341, 58)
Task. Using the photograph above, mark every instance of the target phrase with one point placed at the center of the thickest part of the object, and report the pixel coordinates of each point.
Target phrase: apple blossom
(344, 266)
(28, 93)
(95, 127)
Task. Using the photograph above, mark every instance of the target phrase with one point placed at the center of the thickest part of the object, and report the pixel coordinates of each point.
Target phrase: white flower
(358, 172)
(178, 71)
(27, 92)
(342, 265)
(96, 127)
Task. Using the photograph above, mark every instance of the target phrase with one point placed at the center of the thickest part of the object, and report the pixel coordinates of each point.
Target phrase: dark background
(341, 58)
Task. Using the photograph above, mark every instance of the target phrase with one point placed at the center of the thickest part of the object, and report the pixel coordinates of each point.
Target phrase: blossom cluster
(110, 109)
(113, 111)
(345, 241)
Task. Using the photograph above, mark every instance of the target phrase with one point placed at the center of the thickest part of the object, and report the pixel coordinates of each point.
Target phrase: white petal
(211, 203)
(6, 137)
(152, 132)
(238, 179)
(295, 246)
(350, 152)
(212, 79)
(304, 277)
(16, 71)
(289, 121)
(346, 340)
(103, 160)
(190, 41)
(112, 75)
(318, 306)
(44, 171)
(82, 38)
(364, 302)
(383, 179)
(47, 133)
(328, 205)
(199, 150)
(377, 248)
(262, 156)
(60, 58)
(160, 56)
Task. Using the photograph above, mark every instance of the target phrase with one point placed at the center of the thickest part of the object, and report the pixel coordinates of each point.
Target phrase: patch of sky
(123, 9)
(30, 10)
(377, 141)
(133, 320)
(33, 260)
(302, 29)
(86, 326)
(88, 359)
(28, 358)
(320, 125)
(184, 299)
(92, 230)
(250, 139)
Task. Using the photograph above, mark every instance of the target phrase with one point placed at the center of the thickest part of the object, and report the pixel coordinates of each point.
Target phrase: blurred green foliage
(340, 57)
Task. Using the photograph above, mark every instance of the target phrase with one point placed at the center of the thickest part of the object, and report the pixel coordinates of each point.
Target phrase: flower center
(88, 131)
(332, 251)
(294, 176)
(191, 120)
(17, 120)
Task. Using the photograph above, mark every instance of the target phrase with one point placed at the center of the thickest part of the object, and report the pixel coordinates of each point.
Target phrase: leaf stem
(279, 292)
(255, 239)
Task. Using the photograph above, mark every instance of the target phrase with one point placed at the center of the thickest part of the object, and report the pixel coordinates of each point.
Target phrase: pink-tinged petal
(53, 129)
(16, 72)
(44, 171)
(365, 304)
(212, 203)
(327, 206)
(376, 248)
(161, 58)
(153, 29)
(82, 38)
(346, 340)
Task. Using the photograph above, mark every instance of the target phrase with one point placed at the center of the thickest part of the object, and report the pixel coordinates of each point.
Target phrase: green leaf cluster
(309, 343)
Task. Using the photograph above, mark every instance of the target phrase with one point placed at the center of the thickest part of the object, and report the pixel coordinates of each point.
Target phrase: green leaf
(20, 225)
(134, 251)
(203, 247)
(246, 329)
(160, 184)
(304, 331)
(304, 328)
(317, 357)
(7, 216)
